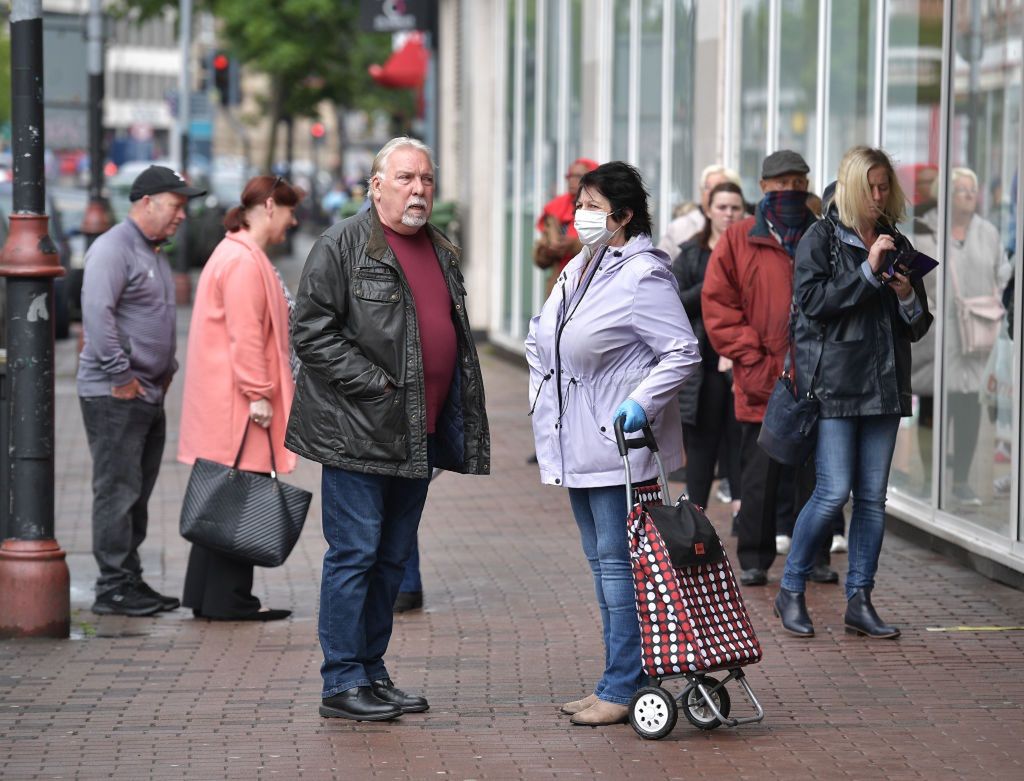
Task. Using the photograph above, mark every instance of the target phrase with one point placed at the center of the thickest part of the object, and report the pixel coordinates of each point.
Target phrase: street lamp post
(34, 579)
(96, 219)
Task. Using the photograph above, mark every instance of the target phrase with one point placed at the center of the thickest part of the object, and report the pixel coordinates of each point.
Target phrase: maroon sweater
(422, 270)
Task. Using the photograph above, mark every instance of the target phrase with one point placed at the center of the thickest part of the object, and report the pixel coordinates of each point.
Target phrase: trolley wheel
(653, 713)
(696, 709)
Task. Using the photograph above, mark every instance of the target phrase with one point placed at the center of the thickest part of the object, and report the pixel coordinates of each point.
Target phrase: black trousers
(218, 586)
(716, 432)
(773, 495)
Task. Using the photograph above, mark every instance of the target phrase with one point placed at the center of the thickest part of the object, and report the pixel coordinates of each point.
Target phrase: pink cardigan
(237, 352)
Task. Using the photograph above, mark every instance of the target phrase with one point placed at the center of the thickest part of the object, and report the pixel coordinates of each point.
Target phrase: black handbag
(688, 535)
(789, 431)
(248, 516)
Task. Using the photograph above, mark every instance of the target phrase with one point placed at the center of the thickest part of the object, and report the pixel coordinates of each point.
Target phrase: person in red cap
(558, 242)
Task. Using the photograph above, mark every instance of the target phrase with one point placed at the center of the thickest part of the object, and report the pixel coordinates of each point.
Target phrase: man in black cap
(126, 365)
(745, 302)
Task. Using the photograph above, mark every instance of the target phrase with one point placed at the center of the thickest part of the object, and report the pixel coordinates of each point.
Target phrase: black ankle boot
(791, 608)
(862, 619)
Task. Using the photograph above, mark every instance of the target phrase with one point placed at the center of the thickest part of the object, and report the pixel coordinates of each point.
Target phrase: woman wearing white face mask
(612, 341)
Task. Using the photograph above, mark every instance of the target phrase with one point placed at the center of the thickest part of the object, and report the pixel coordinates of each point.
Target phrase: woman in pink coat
(239, 378)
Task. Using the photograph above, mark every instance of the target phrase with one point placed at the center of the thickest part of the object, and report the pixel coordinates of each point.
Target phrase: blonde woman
(856, 317)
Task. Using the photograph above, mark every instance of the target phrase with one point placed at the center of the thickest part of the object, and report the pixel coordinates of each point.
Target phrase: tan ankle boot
(601, 713)
(577, 705)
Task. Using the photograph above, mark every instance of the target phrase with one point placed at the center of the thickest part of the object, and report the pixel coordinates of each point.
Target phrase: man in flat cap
(745, 303)
(126, 365)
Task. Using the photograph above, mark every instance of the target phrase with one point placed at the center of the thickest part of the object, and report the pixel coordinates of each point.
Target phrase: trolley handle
(634, 443)
(637, 443)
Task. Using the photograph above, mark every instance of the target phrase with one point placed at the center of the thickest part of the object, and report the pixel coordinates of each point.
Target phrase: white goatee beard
(413, 222)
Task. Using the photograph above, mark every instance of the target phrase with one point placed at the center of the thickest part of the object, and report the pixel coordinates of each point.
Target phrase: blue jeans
(411, 580)
(601, 516)
(370, 524)
(852, 454)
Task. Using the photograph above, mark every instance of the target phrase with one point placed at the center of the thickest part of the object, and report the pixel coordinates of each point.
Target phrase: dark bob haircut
(621, 184)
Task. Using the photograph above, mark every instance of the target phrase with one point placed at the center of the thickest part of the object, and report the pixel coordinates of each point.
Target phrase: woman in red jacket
(239, 371)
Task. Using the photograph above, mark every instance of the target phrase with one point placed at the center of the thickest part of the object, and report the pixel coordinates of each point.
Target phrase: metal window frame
(668, 91)
(881, 59)
(771, 130)
(501, 181)
(823, 93)
(539, 174)
(518, 133)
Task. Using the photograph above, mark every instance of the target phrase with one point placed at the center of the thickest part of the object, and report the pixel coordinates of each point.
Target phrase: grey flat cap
(785, 161)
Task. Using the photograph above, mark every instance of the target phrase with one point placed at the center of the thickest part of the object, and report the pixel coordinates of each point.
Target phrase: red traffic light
(221, 62)
(317, 130)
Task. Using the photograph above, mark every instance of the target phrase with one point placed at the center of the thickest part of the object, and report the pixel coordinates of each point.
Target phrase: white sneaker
(782, 542)
(838, 544)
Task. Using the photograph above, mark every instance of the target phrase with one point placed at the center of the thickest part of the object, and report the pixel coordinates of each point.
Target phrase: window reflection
(912, 112)
(979, 384)
(753, 108)
(798, 82)
(851, 78)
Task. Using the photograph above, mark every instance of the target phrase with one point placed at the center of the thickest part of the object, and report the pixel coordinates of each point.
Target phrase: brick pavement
(510, 630)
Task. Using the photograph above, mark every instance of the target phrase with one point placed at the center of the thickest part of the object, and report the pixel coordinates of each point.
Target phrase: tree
(312, 50)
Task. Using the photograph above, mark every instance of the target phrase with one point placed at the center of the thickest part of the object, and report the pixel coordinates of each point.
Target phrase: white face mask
(591, 226)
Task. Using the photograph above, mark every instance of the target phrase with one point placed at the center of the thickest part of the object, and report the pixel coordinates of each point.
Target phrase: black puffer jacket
(359, 401)
(856, 328)
(688, 268)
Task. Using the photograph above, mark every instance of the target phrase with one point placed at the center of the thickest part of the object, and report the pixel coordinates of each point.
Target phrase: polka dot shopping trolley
(692, 618)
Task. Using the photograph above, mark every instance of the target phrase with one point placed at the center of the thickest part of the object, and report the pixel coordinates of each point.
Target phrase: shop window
(979, 386)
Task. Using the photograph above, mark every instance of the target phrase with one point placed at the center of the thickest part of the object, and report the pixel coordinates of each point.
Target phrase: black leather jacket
(856, 328)
(359, 401)
(688, 268)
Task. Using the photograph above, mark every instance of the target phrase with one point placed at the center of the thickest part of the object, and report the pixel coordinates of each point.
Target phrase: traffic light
(317, 130)
(225, 79)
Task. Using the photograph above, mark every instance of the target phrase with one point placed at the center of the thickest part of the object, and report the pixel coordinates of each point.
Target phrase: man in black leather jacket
(390, 388)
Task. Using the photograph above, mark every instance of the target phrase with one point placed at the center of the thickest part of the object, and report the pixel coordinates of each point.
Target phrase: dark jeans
(218, 586)
(126, 439)
(411, 580)
(716, 432)
(370, 524)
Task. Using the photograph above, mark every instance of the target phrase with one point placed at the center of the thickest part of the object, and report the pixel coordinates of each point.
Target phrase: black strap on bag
(241, 447)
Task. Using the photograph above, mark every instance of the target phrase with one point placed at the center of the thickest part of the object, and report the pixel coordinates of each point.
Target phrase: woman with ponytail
(239, 378)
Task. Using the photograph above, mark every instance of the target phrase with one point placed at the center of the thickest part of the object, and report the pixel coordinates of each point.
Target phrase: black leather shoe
(862, 619)
(359, 704)
(409, 703)
(753, 577)
(408, 600)
(823, 573)
(166, 602)
(792, 609)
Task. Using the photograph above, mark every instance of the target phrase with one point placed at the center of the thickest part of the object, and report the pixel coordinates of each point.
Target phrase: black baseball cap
(159, 179)
(785, 161)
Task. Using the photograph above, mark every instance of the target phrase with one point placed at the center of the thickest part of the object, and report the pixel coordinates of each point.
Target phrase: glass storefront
(937, 83)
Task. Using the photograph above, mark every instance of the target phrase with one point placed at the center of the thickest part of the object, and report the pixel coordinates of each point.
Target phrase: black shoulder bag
(248, 516)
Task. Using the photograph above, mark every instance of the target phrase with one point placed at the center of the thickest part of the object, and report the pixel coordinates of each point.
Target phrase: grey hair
(380, 162)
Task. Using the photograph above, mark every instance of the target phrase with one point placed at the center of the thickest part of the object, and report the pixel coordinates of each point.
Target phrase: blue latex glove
(634, 414)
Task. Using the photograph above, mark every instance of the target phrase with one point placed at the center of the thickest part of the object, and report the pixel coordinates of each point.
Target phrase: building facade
(672, 85)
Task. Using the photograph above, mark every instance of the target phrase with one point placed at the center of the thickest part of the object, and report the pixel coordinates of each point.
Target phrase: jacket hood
(613, 257)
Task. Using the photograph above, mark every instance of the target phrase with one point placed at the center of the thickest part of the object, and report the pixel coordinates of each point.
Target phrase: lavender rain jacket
(627, 337)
